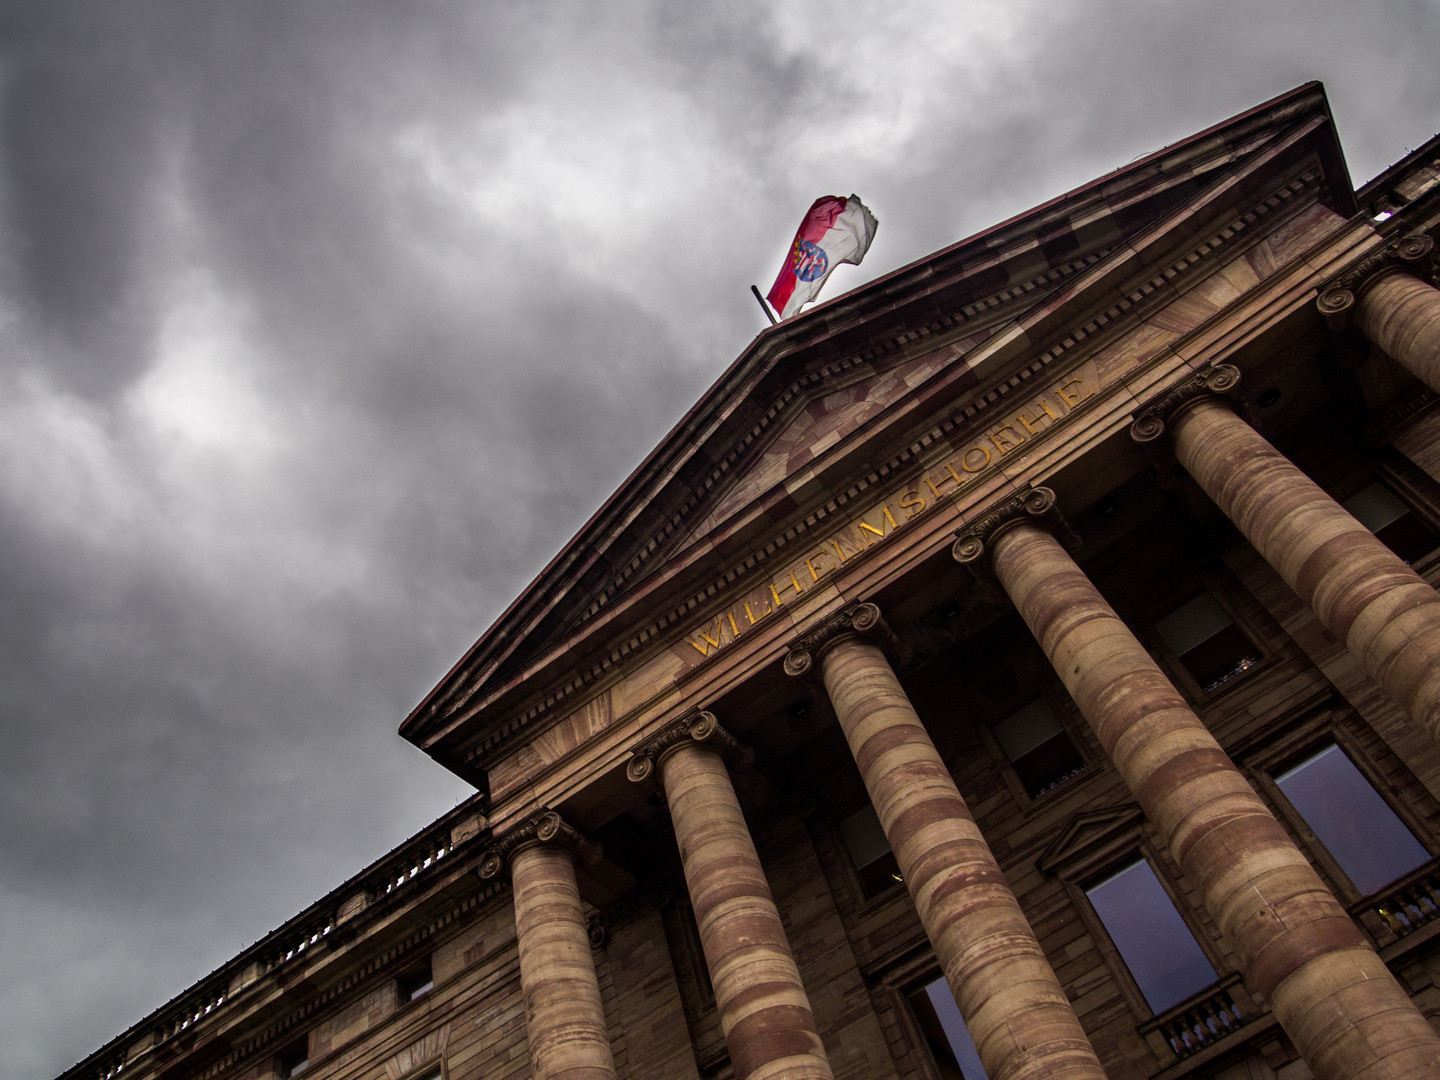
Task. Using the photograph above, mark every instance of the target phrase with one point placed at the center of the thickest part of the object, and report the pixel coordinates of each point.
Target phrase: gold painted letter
(984, 459)
(999, 438)
(1071, 398)
(793, 580)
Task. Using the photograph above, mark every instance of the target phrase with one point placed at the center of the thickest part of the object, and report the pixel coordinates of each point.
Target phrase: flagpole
(763, 306)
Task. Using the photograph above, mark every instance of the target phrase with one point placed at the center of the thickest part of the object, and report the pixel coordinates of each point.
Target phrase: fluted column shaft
(564, 1019)
(1017, 1013)
(764, 1011)
(1332, 994)
(1401, 314)
(1384, 612)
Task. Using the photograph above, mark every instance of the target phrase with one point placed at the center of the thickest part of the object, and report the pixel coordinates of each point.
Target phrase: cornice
(694, 728)
(1035, 505)
(1413, 253)
(322, 929)
(330, 996)
(542, 827)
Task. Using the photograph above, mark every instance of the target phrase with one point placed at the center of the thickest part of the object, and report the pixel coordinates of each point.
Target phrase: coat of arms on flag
(835, 230)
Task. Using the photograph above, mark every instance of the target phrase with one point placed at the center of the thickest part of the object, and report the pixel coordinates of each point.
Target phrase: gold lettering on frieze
(1006, 438)
(1012, 429)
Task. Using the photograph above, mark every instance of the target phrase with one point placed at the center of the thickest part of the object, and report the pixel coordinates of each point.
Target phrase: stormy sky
(323, 325)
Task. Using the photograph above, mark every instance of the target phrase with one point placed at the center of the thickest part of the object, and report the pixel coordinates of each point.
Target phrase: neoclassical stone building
(1026, 664)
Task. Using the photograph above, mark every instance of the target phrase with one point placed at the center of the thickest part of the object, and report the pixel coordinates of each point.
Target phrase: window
(295, 1059)
(1206, 640)
(944, 1029)
(1039, 750)
(870, 852)
(1380, 510)
(415, 983)
(1347, 815)
(1152, 937)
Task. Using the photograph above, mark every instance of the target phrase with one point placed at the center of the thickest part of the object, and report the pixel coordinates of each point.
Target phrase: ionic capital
(806, 650)
(1216, 381)
(695, 727)
(643, 899)
(1035, 505)
(1412, 254)
(542, 827)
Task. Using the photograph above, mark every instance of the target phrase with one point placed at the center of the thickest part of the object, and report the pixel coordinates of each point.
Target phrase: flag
(835, 230)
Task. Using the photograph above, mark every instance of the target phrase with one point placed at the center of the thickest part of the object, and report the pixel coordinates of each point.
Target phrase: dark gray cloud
(322, 326)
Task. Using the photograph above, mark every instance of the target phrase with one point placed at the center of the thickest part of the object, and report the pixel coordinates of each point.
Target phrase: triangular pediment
(820, 405)
(1087, 833)
(829, 407)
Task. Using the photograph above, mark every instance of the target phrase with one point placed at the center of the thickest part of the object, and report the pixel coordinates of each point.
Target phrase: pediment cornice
(1087, 833)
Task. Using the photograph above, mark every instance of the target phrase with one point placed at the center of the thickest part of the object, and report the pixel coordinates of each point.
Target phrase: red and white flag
(835, 230)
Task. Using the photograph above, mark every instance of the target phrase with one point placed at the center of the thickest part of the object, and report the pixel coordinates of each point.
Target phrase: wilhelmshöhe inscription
(1017, 427)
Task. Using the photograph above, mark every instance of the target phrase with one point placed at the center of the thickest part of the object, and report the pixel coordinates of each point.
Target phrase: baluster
(1217, 1018)
(1427, 890)
(1170, 1037)
(1413, 909)
(1413, 916)
(1203, 1029)
(1182, 1038)
(1232, 1012)
(1194, 1030)
(1386, 909)
(1221, 1027)
(1229, 1015)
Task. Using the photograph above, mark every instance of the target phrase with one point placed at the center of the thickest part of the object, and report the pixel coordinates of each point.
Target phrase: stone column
(564, 1019)
(1364, 594)
(764, 1012)
(1386, 299)
(1018, 1015)
(1332, 994)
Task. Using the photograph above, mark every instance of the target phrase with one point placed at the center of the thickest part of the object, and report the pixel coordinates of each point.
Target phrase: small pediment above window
(1089, 834)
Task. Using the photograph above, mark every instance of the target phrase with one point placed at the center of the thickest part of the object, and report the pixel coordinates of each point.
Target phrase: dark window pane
(415, 983)
(1355, 824)
(939, 1018)
(295, 1060)
(869, 851)
(1038, 747)
(1409, 537)
(1207, 641)
(1153, 939)
(1375, 506)
(1380, 510)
